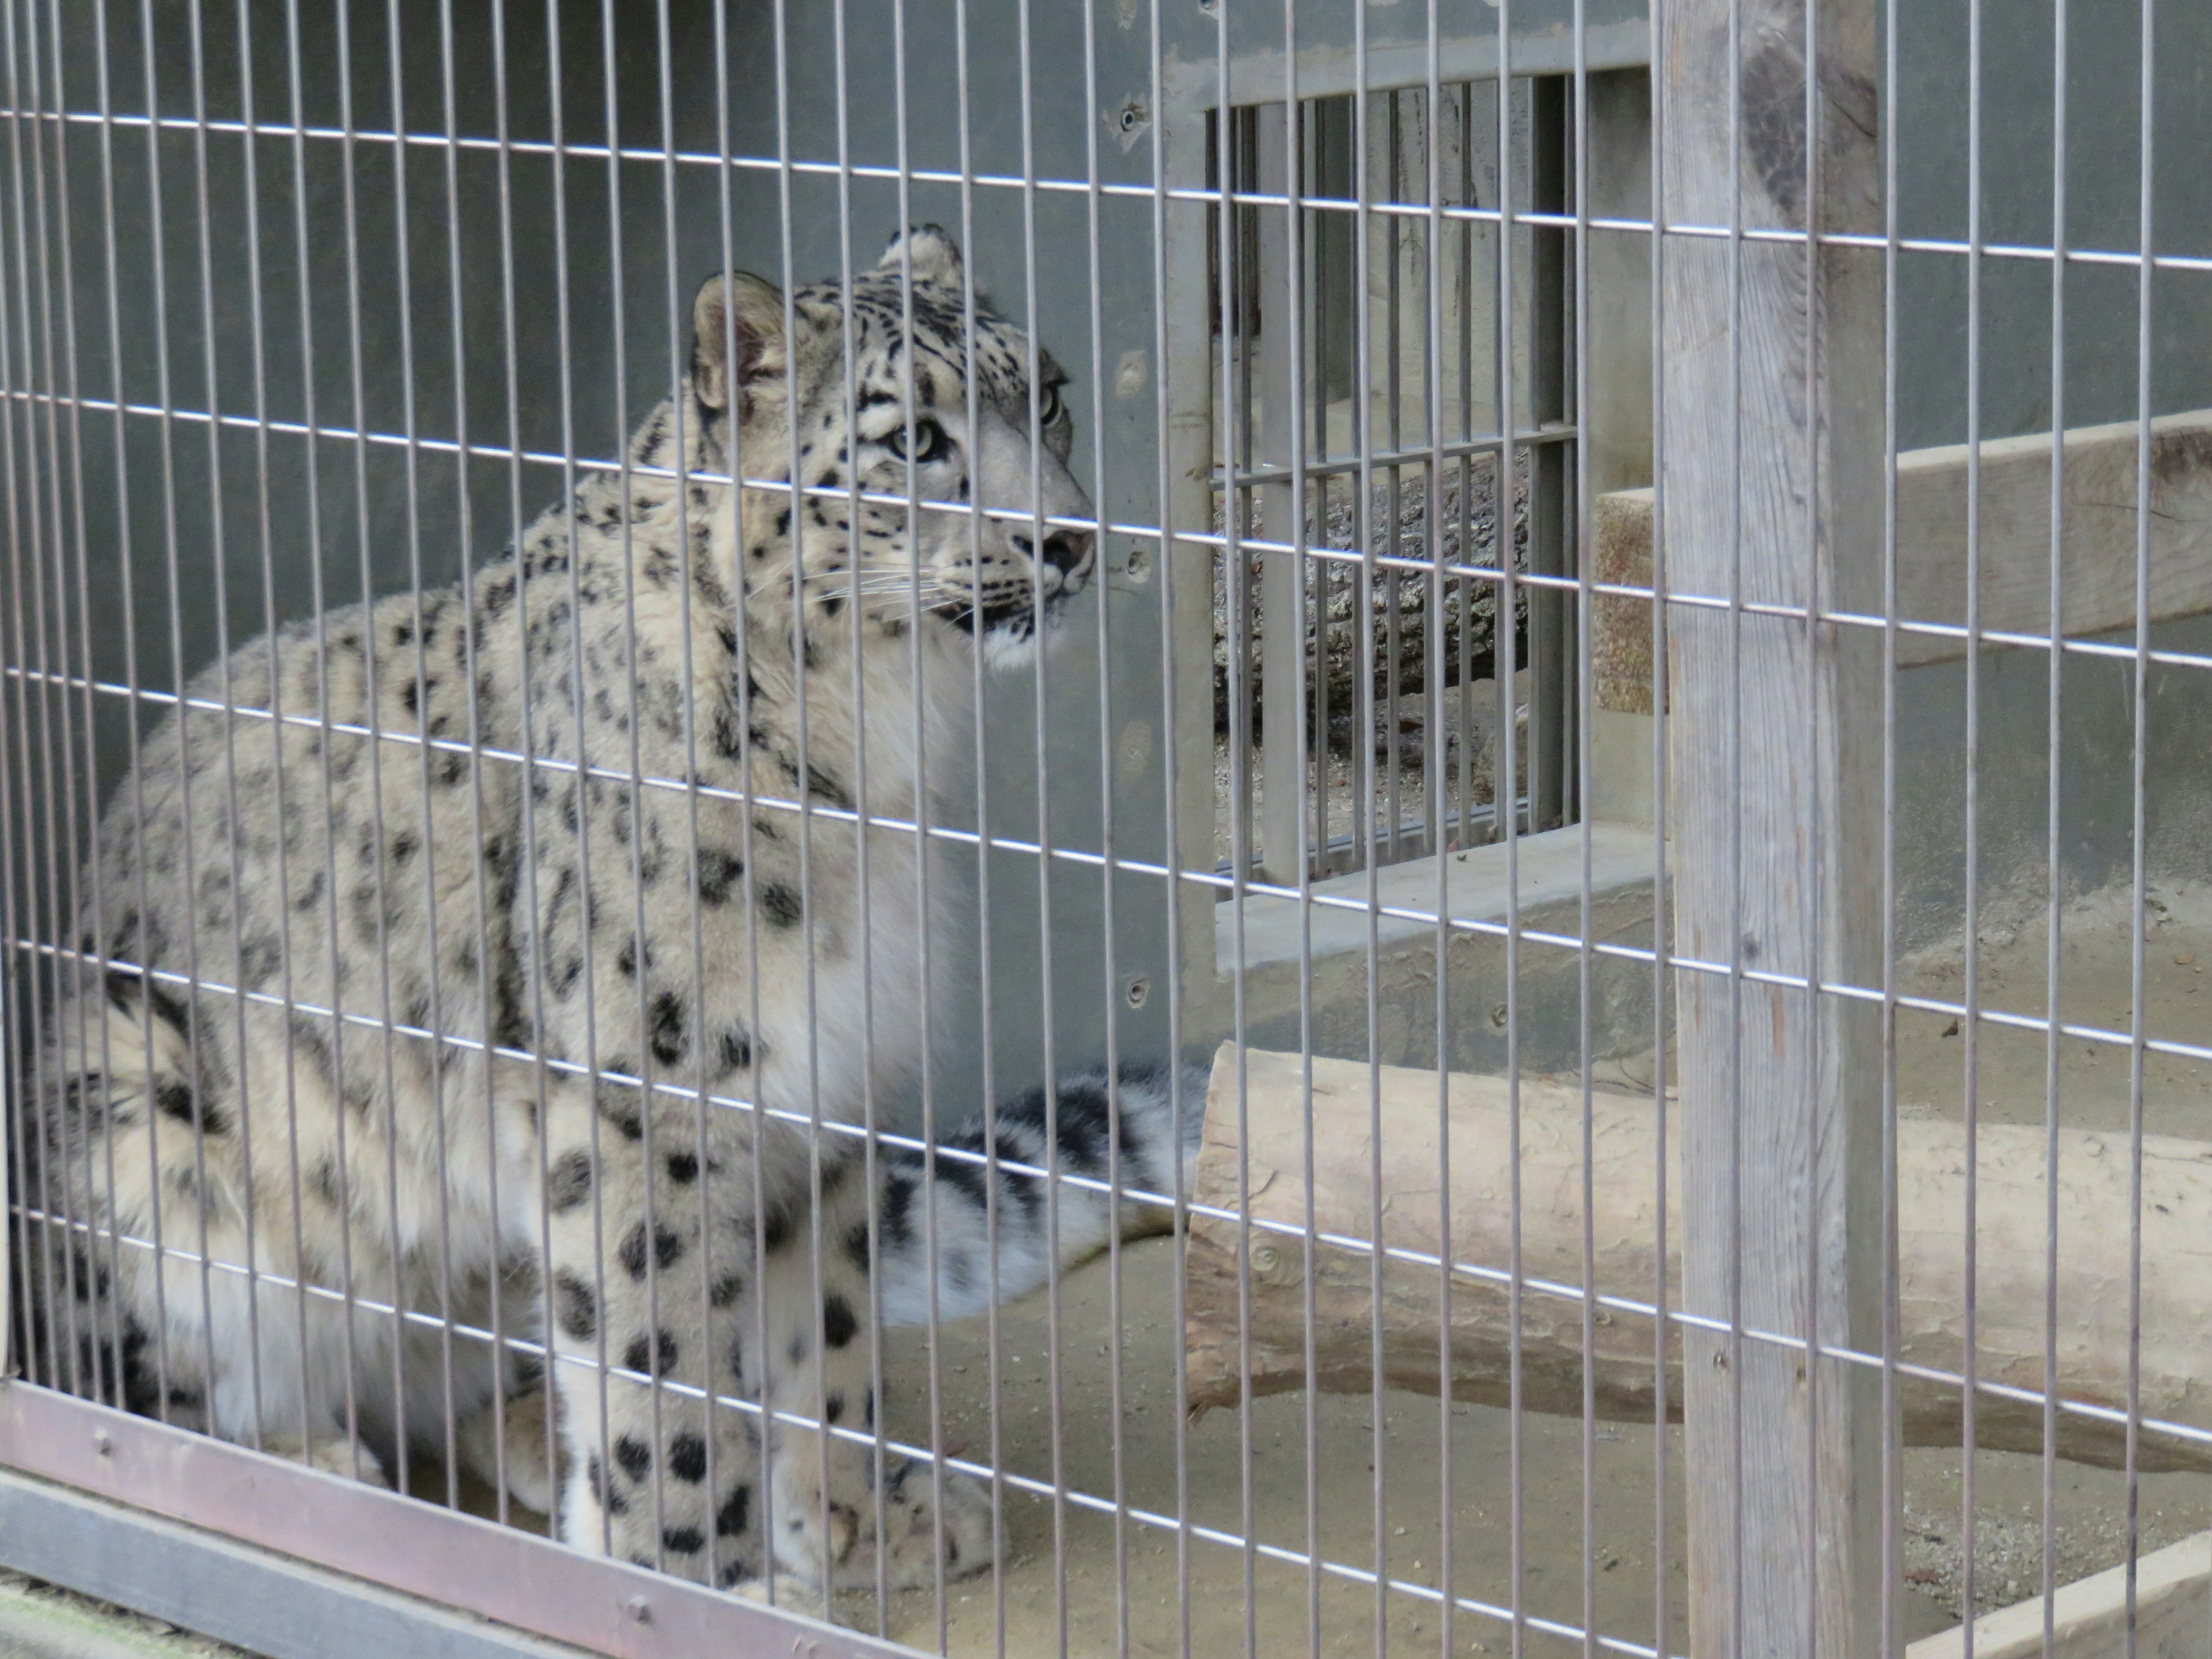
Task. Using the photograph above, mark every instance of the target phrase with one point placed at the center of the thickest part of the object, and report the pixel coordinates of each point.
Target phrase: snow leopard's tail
(1158, 1157)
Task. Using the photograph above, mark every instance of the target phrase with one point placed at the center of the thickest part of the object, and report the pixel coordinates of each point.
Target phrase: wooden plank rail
(2098, 554)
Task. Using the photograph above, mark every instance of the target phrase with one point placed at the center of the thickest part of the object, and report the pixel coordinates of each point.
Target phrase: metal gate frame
(121, 1471)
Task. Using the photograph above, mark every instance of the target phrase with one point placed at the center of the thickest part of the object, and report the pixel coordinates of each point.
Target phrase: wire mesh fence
(1157, 829)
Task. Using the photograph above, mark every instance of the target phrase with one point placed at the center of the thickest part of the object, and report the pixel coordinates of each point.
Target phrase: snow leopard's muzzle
(1033, 544)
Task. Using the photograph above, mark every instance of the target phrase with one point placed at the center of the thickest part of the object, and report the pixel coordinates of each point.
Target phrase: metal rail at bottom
(107, 1527)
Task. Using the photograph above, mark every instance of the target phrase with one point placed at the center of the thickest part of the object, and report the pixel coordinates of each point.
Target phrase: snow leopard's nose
(1067, 551)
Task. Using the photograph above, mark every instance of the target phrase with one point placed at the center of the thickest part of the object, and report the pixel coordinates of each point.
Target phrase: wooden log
(2176, 1318)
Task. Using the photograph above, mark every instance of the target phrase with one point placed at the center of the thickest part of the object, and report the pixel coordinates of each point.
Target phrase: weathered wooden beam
(1772, 363)
(2098, 551)
(2009, 1288)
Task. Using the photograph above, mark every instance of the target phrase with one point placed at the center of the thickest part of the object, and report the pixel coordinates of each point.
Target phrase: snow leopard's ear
(741, 314)
(936, 255)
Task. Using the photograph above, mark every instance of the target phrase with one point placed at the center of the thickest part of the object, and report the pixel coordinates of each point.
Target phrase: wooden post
(1772, 482)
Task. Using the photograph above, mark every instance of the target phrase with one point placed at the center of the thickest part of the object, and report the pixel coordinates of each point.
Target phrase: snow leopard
(473, 1015)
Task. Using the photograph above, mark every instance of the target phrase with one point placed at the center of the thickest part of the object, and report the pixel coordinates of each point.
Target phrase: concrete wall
(411, 331)
(370, 516)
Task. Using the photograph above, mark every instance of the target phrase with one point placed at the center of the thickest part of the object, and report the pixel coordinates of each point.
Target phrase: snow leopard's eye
(1049, 407)
(930, 443)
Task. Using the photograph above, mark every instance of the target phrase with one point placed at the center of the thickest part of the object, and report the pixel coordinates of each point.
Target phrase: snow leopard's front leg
(830, 1511)
(662, 1276)
(642, 1293)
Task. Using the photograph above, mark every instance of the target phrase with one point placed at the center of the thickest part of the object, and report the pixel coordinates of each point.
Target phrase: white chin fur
(1017, 644)
(1006, 647)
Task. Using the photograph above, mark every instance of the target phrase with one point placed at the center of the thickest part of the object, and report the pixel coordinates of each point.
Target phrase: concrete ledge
(1548, 881)
(2174, 1615)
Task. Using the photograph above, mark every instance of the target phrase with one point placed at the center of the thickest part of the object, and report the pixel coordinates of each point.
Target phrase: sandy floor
(1121, 1593)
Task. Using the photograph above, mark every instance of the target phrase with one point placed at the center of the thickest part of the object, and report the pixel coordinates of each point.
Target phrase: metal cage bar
(1445, 561)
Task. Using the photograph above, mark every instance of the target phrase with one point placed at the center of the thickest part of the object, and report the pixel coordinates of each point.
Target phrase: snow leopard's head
(925, 496)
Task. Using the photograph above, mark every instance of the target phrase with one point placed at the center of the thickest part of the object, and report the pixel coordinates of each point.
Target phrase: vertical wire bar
(69, 525)
(1394, 620)
(567, 407)
(2054, 672)
(411, 453)
(861, 872)
(487, 1022)
(16, 991)
(1893, 1462)
(1549, 711)
(13, 995)
(797, 643)
(56, 734)
(2138, 921)
(77, 1268)
(1308, 153)
(1505, 635)
(1236, 263)
(46, 505)
(16, 491)
(219, 569)
(1310, 847)
(789, 461)
(924, 824)
(1115, 1309)
(60, 1224)
(1734, 792)
(1045, 981)
(1363, 517)
(526, 854)
(1231, 434)
(1467, 587)
(971, 399)
(741, 674)
(170, 556)
(1171, 784)
(1505, 492)
(249, 145)
(1581, 543)
(86, 895)
(373, 720)
(635, 782)
(1816, 851)
(277, 773)
(1972, 994)
(349, 1334)
(1435, 779)
(688, 442)
(62, 840)
(1360, 786)
(1662, 984)
(1735, 820)
(1282, 789)
(16, 1293)
(105, 942)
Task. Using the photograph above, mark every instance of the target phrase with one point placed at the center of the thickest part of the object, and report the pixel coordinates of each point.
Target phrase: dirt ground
(1620, 1582)
(1122, 1590)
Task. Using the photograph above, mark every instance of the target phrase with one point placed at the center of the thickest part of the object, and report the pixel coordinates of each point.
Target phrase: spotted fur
(369, 1003)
